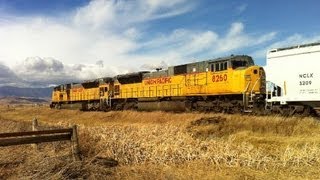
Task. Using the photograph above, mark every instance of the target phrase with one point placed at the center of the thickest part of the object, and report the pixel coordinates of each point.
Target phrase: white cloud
(36, 64)
(237, 38)
(240, 9)
(132, 33)
(155, 4)
(104, 38)
(102, 30)
(154, 66)
(236, 29)
(114, 14)
(47, 71)
(8, 77)
(156, 9)
(96, 14)
(183, 41)
(295, 39)
(187, 43)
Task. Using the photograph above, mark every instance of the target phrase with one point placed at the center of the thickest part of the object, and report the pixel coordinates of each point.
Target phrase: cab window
(224, 66)
(219, 66)
(237, 64)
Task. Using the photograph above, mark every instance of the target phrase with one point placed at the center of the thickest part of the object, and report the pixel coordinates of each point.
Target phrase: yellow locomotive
(226, 84)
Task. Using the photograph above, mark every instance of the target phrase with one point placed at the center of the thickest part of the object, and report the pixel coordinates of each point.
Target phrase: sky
(46, 42)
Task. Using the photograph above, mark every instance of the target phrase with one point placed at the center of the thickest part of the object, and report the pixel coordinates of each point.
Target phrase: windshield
(236, 64)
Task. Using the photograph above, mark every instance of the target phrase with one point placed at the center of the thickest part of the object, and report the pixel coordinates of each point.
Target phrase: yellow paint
(196, 84)
(226, 82)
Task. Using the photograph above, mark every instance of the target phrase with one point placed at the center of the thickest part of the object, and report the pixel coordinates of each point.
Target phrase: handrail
(244, 92)
(247, 87)
(254, 85)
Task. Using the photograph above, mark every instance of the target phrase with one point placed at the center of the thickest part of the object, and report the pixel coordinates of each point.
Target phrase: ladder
(105, 103)
(248, 96)
(247, 103)
(270, 89)
(247, 99)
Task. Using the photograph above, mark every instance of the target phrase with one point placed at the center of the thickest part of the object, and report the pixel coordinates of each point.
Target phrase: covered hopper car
(293, 77)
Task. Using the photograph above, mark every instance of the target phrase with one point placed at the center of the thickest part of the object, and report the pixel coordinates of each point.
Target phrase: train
(232, 84)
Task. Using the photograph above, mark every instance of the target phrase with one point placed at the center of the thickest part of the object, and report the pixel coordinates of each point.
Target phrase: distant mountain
(23, 100)
(25, 92)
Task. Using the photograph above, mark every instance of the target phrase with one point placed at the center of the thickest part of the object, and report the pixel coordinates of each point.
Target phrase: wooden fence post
(35, 128)
(75, 144)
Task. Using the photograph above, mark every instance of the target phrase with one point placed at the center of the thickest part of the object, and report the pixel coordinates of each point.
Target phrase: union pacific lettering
(77, 90)
(163, 80)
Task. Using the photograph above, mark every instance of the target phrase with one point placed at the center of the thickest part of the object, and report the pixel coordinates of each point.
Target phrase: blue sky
(45, 42)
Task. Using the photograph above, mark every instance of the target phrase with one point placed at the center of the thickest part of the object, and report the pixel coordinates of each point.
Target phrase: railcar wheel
(58, 106)
(306, 111)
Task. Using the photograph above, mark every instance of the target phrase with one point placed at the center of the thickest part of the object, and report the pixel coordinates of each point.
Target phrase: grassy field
(161, 145)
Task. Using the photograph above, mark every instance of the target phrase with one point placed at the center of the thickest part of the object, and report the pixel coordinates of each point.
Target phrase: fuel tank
(175, 106)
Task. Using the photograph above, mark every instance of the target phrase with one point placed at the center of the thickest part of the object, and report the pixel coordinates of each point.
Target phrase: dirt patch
(105, 161)
(208, 127)
(208, 120)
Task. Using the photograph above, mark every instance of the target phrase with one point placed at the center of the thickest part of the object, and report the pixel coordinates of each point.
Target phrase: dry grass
(162, 145)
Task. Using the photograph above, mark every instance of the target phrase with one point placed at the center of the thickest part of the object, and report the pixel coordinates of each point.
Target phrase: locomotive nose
(255, 77)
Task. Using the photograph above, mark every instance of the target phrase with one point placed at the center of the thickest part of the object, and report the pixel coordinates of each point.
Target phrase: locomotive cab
(255, 88)
(247, 80)
(60, 94)
(105, 92)
(55, 96)
(241, 63)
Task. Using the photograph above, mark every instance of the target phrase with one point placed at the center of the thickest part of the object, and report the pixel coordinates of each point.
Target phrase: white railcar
(293, 75)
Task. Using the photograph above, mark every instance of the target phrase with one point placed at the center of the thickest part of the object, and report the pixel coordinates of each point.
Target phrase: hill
(25, 92)
(22, 100)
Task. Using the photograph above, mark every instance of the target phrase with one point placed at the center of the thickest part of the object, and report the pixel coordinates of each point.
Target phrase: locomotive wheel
(189, 106)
